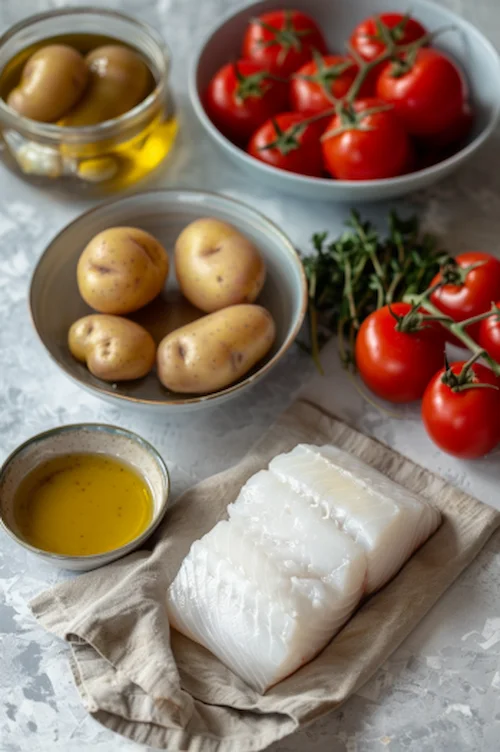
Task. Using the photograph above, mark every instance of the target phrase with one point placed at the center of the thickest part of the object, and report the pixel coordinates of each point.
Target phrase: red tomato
(397, 366)
(313, 86)
(489, 336)
(480, 288)
(283, 142)
(282, 40)
(463, 423)
(367, 40)
(455, 133)
(429, 97)
(241, 96)
(375, 146)
(435, 149)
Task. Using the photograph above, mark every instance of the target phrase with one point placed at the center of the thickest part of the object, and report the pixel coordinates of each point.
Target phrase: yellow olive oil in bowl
(81, 496)
(82, 504)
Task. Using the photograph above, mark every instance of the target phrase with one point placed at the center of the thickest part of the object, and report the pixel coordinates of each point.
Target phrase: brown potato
(52, 82)
(217, 266)
(121, 270)
(114, 349)
(119, 80)
(216, 350)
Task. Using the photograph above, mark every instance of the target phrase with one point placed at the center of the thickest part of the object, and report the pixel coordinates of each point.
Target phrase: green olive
(119, 80)
(52, 81)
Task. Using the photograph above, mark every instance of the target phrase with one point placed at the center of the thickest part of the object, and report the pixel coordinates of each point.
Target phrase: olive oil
(82, 504)
(114, 163)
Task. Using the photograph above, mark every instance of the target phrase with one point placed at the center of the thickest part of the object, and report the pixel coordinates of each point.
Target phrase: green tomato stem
(457, 328)
(464, 380)
(494, 311)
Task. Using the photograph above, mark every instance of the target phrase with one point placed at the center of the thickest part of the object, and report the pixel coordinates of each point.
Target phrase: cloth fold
(157, 687)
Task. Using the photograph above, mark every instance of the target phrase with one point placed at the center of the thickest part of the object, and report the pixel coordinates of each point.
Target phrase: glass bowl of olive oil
(84, 495)
(85, 101)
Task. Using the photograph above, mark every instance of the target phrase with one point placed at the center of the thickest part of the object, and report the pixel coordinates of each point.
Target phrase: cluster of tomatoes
(390, 105)
(460, 403)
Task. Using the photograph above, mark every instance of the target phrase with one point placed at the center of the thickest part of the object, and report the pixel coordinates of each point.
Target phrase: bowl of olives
(90, 108)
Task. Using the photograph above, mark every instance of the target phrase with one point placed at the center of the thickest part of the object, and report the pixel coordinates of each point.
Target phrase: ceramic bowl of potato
(168, 299)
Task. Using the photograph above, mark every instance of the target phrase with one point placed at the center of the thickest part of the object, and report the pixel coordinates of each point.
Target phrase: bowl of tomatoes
(346, 101)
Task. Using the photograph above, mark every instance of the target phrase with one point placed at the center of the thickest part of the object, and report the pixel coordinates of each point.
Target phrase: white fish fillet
(236, 620)
(295, 532)
(267, 589)
(266, 598)
(383, 517)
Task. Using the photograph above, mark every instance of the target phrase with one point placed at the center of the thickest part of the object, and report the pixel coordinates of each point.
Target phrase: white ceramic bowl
(92, 438)
(56, 303)
(337, 19)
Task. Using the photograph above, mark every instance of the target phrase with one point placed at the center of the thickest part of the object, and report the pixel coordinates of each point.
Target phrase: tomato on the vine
(369, 40)
(282, 40)
(366, 141)
(489, 335)
(474, 290)
(427, 91)
(433, 149)
(313, 86)
(463, 422)
(397, 365)
(285, 141)
(368, 36)
(454, 133)
(241, 96)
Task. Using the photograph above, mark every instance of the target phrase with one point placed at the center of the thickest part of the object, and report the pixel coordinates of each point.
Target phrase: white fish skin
(268, 589)
(383, 517)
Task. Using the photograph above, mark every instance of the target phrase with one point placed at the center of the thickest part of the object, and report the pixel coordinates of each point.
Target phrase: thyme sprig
(361, 271)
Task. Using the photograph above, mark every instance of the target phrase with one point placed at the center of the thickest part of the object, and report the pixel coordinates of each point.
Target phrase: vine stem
(393, 52)
(458, 328)
(464, 380)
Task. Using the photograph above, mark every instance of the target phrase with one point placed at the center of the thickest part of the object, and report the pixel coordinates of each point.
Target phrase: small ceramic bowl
(93, 438)
(336, 19)
(56, 303)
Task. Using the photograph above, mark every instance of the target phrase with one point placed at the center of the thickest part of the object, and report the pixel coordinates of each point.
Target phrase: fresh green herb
(361, 271)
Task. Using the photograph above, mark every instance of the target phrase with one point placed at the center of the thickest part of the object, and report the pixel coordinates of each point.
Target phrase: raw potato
(52, 82)
(121, 270)
(216, 350)
(114, 349)
(217, 266)
(119, 80)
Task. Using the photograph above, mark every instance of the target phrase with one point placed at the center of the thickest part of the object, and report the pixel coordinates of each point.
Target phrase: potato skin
(217, 266)
(113, 348)
(216, 350)
(121, 270)
(53, 80)
(119, 80)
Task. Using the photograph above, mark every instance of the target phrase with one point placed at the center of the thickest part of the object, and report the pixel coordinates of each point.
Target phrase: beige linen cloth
(159, 688)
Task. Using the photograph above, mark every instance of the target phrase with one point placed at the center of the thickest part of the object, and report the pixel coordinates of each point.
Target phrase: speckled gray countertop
(440, 689)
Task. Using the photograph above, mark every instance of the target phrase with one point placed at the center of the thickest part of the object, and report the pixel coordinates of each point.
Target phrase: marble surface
(440, 689)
